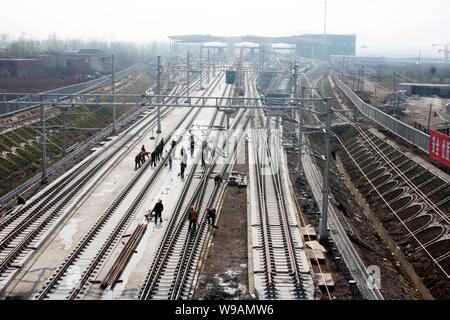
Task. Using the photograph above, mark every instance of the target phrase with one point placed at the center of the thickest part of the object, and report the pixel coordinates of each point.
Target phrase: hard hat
(192, 207)
(206, 208)
(160, 200)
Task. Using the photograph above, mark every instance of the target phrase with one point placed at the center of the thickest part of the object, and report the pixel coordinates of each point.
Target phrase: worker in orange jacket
(192, 218)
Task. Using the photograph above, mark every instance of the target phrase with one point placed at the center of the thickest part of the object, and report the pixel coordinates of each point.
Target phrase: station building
(315, 46)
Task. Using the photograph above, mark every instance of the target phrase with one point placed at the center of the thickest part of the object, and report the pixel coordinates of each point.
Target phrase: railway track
(284, 261)
(394, 178)
(71, 279)
(174, 269)
(24, 230)
(354, 263)
(282, 271)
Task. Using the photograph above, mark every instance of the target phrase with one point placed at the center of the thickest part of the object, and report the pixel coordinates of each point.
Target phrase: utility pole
(64, 130)
(214, 64)
(201, 66)
(429, 118)
(395, 95)
(44, 145)
(323, 234)
(300, 140)
(208, 65)
(158, 92)
(188, 73)
(113, 69)
(295, 96)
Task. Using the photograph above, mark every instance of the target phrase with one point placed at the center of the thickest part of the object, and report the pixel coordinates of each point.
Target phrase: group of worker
(192, 216)
(155, 156)
(139, 160)
(210, 215)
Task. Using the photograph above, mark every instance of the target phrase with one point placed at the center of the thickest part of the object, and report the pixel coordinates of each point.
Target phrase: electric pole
(208, 65)
(44, 145)
(201, 66)
(323, 234)
(429, 118)
(188, 74)
(113, 69)
(158, 92)
(395, 95)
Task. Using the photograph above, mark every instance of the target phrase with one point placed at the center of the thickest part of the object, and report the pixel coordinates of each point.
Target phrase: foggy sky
(386, 27)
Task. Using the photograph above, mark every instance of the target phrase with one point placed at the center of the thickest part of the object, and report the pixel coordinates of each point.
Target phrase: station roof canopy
(248, 38)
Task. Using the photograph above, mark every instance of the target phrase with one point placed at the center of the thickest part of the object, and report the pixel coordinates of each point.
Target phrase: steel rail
(189, 254)
(91, 234)
(68, 191)
(173, 230)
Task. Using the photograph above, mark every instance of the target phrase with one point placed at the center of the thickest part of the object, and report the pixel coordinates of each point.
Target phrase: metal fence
(406, 132)
(9, 109)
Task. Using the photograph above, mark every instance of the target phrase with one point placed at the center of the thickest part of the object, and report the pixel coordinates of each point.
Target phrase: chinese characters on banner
(440, 147)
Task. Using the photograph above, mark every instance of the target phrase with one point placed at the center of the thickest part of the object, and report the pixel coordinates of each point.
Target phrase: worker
(192, 218)
(217, 179)
(182, 167)
(169, 157)
(173, 144)
(157, 209)
(211, 215)
(157, 158)
(153, 159)
(20, 200)
(142, 157)
(192, 145)
(143, 148)
(183, 151)
(203, 159)
(137, 161)
(160, 149)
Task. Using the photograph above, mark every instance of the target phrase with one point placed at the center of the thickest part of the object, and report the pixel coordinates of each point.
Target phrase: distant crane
(445, 50)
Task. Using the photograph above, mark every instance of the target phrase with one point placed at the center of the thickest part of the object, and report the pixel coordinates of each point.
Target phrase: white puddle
(66, 234)
(98, 194)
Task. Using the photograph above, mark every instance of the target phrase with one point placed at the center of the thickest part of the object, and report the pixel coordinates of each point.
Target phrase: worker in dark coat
(20, 200)
(203, 159)
(137, 161)
(182, 167)
(192, 145)
(192, 218)
(211, 215)
(157, 153)
(143, 148)
(217, 179)
(153, 159)
(173, 144)
(157, 209)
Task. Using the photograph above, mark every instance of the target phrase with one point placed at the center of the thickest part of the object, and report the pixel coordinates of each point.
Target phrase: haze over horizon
(389, 28)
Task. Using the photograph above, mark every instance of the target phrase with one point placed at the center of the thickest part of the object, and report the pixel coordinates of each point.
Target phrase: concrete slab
(315, 245)
(324, 279)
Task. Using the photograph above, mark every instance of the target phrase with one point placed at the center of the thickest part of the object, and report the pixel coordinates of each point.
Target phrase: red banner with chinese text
(440, 147)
